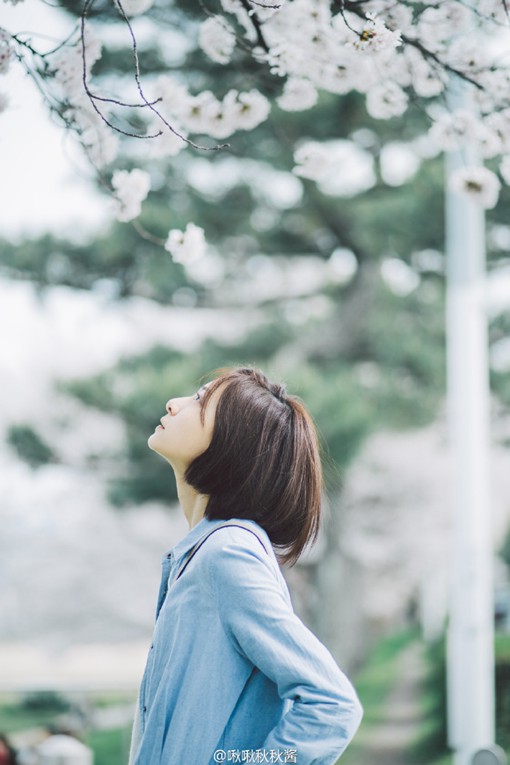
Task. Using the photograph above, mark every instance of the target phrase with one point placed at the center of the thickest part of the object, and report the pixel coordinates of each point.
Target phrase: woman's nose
(171, 406)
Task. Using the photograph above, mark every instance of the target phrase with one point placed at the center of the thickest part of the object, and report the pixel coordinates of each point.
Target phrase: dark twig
(91, 96)
(37, 53)
(142, 231)
(256, 25)
(142, 95)
(429, 54)
(342, 14)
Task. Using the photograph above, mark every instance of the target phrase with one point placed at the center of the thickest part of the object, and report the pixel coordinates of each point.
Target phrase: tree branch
(256, 25)
(146, 102)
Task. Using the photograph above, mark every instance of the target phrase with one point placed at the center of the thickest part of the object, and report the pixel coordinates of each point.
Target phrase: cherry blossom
(340, 168)
(217, 39)
(186, 246)
(298, 94)
(375, 36)
(393, 53)
(479, 183)
(386, 100)
(131, 188)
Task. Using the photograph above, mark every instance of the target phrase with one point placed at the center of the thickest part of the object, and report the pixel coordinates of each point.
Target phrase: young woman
(233, 675)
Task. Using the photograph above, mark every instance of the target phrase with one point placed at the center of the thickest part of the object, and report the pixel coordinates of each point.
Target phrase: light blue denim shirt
(233, 675)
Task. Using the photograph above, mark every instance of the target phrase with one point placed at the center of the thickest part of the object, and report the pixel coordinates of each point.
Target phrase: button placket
(167, 564)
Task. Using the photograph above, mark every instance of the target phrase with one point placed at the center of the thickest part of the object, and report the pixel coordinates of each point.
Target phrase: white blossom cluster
(490, 134)
(390, 52)
(67, 64)
(208, 115)
(99, 141)
(376, 36)
(217, 39)
(186, 246)
(298, 94)
(387, 51)
(338, 52)
(130, 189)
(340, 168)
(479, 183)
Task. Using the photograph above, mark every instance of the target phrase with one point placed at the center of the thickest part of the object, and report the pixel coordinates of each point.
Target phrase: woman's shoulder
(233, 556)
(239, 543)
(240, 533)
(239, 559)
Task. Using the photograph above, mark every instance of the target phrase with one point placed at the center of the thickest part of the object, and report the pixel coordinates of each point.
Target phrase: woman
(233, 675)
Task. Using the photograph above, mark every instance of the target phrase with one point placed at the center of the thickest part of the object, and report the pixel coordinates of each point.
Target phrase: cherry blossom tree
(397, 55)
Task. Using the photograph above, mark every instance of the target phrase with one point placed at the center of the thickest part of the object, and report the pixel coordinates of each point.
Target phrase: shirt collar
(194, 534)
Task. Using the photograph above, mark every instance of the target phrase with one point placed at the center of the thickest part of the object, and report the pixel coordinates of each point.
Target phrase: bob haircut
(263, 462)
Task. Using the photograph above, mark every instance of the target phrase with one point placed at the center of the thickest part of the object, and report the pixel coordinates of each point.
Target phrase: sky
(44, 181)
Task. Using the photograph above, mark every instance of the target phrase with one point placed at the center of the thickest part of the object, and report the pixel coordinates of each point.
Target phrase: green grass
(373, 684)
(105, 699)
(430, 744)
(110, 747)
(376, 679)
(14, 717)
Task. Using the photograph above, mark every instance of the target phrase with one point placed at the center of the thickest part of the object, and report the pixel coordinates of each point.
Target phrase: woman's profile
(233, 674)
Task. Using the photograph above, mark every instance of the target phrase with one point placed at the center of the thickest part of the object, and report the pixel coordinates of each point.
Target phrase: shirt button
(145, 709)
(152, 646)
(164, 593)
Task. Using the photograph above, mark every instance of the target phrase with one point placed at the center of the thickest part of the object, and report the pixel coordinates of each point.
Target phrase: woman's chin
(151, 441)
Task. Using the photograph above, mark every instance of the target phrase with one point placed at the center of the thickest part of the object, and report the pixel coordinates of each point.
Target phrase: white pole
(470, 646)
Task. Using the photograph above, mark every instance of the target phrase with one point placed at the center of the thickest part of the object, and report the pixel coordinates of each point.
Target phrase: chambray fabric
(231, 667)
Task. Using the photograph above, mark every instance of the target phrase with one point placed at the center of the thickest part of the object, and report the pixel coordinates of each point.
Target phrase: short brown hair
(263, 462)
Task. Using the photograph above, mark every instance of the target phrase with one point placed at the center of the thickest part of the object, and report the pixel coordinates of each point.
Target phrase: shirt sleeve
(325, 712)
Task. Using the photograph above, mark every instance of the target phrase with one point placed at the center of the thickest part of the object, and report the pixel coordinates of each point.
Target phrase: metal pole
(470, 637)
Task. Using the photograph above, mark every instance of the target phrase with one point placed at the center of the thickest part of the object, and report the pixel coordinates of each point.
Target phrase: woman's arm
(326, 711)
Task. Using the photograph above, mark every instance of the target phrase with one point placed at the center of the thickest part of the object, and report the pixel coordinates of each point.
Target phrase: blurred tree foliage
(373, 357)
(29, 445)
(391, 383)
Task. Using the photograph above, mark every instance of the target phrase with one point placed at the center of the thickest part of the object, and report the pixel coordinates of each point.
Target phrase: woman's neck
(192, 503)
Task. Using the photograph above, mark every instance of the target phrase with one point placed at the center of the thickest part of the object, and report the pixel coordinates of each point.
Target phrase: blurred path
(386, 743)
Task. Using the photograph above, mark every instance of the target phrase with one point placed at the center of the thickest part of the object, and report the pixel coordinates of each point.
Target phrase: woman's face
(181, 437)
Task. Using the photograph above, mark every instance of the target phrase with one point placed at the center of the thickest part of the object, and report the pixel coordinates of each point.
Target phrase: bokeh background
(337, 292)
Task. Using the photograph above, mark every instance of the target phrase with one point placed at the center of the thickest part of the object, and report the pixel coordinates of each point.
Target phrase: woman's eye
(196, 396)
